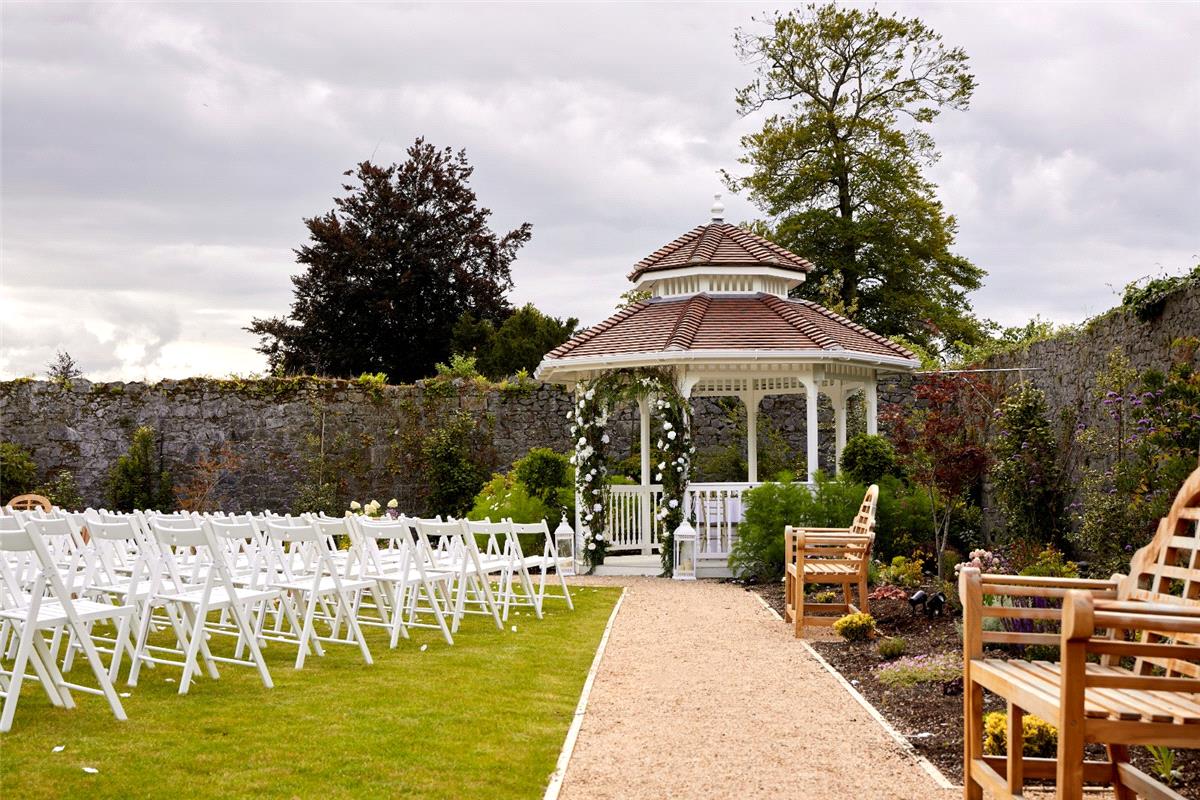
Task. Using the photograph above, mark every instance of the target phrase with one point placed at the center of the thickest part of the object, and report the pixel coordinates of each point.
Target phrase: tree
(389, 271)
(942, 445)
(840, 170)
(517, 344)
(138, 480)
(63, 370)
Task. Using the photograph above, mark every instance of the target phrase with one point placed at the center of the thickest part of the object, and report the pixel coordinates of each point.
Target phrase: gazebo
(719, 317)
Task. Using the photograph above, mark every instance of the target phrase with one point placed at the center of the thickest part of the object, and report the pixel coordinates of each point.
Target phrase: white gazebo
(720, 318)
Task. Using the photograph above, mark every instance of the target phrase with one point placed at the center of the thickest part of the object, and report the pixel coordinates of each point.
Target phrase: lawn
(484, 718)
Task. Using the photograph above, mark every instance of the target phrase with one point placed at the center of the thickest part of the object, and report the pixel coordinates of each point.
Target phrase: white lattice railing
(715, 510)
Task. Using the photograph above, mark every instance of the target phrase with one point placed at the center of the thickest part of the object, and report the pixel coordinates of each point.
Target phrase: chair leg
(972, 736)
(863, 605)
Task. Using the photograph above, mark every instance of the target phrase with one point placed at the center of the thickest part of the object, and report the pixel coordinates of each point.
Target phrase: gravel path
(702, 693)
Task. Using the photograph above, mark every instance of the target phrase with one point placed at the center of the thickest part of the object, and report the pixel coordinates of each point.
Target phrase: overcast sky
(158, 159)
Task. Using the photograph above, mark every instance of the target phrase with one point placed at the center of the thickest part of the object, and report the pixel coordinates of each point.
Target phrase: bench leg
(1119, 754)
(862, 596)
(799, 591)
(972, 736)
(1016, 749)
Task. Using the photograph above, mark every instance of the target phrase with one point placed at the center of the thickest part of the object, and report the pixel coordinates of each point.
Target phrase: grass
(484, 718)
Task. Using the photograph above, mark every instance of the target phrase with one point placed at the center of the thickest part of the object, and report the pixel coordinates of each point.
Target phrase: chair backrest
(28, 502)
(864, 520)
(1167, 570)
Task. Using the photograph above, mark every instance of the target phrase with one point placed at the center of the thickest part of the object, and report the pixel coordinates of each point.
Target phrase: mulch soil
(929, 715)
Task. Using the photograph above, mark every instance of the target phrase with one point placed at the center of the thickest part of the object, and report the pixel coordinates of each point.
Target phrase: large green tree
(517, 344)
(839, 167)
(390, 269)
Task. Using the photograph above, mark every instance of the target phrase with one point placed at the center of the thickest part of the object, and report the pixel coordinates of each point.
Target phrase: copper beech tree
(390, 269)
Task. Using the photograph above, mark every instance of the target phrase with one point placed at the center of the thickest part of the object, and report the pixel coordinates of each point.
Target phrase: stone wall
(1066, 366)
(284, 430)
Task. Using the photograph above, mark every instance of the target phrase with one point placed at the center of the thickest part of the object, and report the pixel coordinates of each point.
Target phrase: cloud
(158, 160)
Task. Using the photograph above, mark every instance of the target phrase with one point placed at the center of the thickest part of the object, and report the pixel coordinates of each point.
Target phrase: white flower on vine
(589, 394)
(591, 545)
(599, 537)
(657, 477)
(671, 435)
(604, 438)
(598, 506)
(673, 503)
(666, 426)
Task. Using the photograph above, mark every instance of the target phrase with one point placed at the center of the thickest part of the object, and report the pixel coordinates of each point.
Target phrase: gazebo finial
(718, 209)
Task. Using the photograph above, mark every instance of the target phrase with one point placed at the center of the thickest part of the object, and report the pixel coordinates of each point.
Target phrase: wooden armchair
(830, 556)
(1128, 670)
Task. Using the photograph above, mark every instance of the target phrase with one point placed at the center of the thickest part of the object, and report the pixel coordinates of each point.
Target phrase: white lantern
(564, 548)
(686, 541)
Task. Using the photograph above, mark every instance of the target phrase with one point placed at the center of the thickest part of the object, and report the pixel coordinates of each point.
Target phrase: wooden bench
(1128, 671)
(829, 556)
(30, 502)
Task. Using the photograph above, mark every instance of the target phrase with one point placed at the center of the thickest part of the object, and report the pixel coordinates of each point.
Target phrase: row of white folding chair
(48, 606)
(503, 557)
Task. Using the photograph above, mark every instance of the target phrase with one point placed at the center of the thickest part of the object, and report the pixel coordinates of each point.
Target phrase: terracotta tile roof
(725, 322)
(720, 244)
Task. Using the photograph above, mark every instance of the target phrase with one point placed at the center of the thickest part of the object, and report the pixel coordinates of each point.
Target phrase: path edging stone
(564, 757)
(927, 765)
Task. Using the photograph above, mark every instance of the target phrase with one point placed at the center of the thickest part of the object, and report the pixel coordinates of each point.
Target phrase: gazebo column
(872, 406)
(750, 400)
(840, 401)
(644, 422)
(812, 430)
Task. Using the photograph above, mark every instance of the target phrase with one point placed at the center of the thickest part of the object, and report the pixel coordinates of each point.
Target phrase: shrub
(460, 366)
(18, 472)
(139, 480)
(451, 469)
(758, 551)
(867, 458)
(911, 670)
(857, 627)
(61, 489)
(1050, 563)
(1027, 478)
(904, 519)
(888, 593)
(547, 475)
(904, 572)
(984, 561)
(1041, 738)
(825, 596)
(373, 382)
(317, 498)
(891, 647)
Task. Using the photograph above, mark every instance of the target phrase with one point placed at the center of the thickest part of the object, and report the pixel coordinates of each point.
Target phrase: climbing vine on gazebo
(671, 454)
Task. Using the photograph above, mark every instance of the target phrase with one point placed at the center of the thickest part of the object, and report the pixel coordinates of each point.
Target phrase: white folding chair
(188, 608)
(503, 556)
(455, 552)
(548, 560)
(309, 578)
(48, 606)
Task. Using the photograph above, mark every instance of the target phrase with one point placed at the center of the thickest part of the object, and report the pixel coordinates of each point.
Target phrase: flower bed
(920, 693)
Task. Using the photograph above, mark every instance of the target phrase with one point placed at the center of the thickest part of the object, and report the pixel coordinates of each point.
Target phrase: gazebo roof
(719, 301)
(719, 244)
(722, 323)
